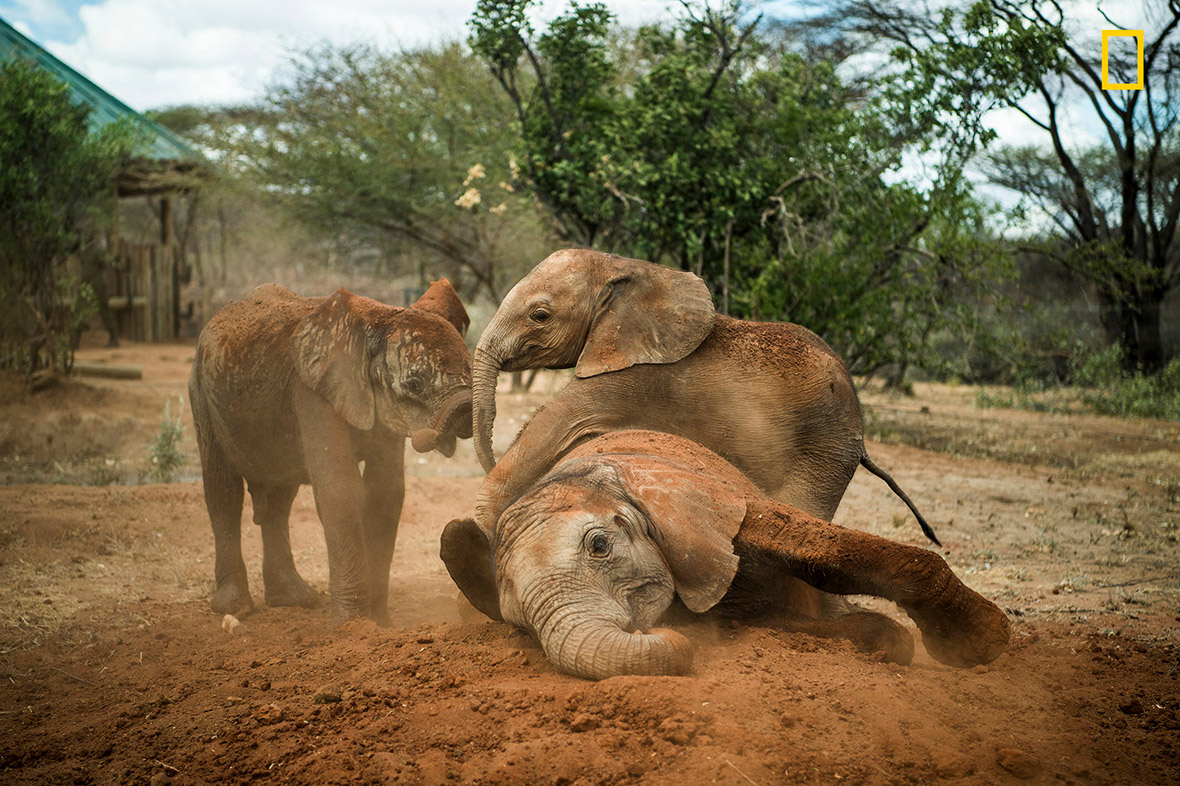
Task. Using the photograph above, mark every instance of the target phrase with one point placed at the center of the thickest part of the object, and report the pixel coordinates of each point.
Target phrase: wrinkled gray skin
(288, 390)
(593, 555)
(651, 353)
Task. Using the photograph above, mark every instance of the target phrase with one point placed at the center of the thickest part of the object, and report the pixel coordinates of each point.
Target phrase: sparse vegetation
(1097, 382)
(166, 457)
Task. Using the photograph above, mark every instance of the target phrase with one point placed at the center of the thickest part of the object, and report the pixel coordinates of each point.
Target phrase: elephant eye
(598, 544)
(541, 316)
(412, 385)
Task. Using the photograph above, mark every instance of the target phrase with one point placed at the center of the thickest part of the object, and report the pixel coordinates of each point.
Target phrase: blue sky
(46, 20)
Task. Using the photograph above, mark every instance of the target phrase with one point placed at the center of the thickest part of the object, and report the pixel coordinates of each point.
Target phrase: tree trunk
(1136, 327)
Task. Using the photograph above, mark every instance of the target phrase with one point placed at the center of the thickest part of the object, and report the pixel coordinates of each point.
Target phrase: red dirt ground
(114, 670)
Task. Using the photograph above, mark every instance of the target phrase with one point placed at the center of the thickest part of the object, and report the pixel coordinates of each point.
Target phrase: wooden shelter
(143, 283)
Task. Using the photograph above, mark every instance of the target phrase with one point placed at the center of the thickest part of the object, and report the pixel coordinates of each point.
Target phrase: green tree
(1116, 206)
(55, 192)
(717, 146)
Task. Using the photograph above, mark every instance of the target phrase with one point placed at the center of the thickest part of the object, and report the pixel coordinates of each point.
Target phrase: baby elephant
(592, 556)
(289, 390)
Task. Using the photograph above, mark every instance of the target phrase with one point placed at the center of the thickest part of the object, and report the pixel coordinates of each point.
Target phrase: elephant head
(592, 311)
(592, 557)
(406, 369)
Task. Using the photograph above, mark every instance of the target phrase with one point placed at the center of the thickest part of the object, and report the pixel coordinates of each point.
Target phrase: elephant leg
(959, 626)
(339, 501)
(385, 485)
(224, 494)
(272, 511)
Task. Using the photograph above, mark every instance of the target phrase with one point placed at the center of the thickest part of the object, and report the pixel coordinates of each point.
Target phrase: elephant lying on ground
(651, 353)
(591, 557)
(289, 390)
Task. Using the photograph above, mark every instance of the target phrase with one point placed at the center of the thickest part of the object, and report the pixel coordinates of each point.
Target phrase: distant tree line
(764, 154)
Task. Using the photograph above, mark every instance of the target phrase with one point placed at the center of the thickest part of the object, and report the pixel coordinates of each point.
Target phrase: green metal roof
(162, 144)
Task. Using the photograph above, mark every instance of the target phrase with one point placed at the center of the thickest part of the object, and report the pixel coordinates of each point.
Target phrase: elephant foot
(379, 610)
(231, 597)
(290, 591)
(967, 631)
(349, 608)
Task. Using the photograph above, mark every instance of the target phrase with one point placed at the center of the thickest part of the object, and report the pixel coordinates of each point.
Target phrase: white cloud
(23, 29)
(154, 53)
(35, 13)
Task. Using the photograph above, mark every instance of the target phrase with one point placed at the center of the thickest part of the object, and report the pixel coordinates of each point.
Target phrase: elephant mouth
(451, 421)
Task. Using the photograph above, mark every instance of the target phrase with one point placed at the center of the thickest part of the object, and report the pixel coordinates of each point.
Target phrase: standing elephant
(289, 390)
(651, 353)
(592, 555)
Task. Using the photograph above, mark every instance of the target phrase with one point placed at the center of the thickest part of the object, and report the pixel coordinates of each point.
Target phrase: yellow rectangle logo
(1139, 74)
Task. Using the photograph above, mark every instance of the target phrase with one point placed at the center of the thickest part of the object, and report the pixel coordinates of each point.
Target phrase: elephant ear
(466, 550)
(331, 359)
(442, 299)
(646, 313)
(694, 519)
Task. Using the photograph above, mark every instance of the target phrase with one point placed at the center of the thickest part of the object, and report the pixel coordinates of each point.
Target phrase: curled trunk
(451, 419)
(484, 373)
(595, 649)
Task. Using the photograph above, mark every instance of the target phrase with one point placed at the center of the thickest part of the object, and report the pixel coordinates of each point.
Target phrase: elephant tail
(871, 466)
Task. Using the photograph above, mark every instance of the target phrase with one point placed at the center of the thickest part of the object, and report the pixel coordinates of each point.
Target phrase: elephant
(650, 352)
(288, 390)
(592, 556)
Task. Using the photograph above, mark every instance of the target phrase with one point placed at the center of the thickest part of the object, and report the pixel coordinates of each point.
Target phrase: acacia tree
(404, 151)
(1116, 205)
(717, 146)
(55, 196)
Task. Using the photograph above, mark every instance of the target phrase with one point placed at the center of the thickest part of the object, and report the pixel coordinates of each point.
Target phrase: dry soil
(113, 669)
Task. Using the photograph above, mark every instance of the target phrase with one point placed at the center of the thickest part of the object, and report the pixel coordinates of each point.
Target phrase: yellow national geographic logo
(1139, 75)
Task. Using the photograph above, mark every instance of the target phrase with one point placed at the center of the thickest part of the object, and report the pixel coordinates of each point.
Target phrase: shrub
(165, 450)
(1107, 388)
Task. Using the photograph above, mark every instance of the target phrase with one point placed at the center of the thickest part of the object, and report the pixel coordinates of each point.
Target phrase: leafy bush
(165, 450)
(1107, 388)
(55, 186)
(1095, 381)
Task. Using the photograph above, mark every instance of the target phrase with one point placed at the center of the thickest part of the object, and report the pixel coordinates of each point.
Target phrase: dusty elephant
(592, 556)
(651, 353)
(289, 390)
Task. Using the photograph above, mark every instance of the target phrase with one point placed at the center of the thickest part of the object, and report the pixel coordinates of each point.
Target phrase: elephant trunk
(485, 370)
(451, 419)
(595, 648)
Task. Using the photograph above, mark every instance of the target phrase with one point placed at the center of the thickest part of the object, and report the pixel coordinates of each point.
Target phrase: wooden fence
(143, 291)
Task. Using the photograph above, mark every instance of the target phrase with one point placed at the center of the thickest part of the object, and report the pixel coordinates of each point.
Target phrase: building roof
(161, 145)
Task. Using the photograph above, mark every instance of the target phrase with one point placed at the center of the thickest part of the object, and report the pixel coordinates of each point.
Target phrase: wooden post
(169, 302)
(166, 221)
(152, 310)
(725, 270)
(111, 272)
